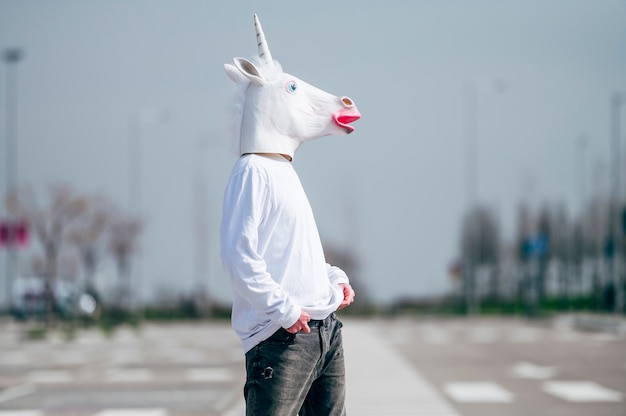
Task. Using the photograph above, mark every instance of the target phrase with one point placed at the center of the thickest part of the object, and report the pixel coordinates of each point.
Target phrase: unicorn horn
(264, 50)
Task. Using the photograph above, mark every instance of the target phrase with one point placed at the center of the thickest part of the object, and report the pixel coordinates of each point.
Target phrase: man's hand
(301, 324)
(348, 295)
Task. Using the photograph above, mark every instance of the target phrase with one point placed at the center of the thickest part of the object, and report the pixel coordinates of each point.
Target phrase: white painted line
(399, 410)
(532, 371)
(133, 412)
(209, 374)
(379, 381)
(16, 391)
(478, 392)
(21, 412)
(129, 376)
(581, 391)
(49, 376)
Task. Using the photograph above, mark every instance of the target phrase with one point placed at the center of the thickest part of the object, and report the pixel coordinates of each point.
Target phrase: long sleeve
(245, 202)
(336, 275)
(272, 251)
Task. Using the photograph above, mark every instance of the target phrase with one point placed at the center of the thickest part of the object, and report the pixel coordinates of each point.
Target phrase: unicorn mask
(281, 111)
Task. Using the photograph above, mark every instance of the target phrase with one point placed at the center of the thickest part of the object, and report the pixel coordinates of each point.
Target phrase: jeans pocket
(280, 337)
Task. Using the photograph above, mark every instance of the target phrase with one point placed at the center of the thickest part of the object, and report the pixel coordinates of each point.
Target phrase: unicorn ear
(249, 71)
(233, 73)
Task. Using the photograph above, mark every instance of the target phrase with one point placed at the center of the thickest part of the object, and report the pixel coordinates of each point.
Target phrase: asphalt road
(443, 367)
(514, 367)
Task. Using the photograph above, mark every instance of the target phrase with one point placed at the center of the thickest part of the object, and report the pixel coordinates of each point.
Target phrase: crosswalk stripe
(105, 412)
(532, 371)
(581, 391)
(21, 413)
(133, 412)
(478, 392)
(125, 376)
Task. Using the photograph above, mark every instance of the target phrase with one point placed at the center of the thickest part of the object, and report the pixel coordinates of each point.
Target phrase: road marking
(21, 413)
(379, 381)
(478, 392)
(133, 412)
(581, 391)
(132, 376)
(532, 371)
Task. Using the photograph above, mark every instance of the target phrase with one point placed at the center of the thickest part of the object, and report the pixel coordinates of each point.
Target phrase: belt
(316, 323)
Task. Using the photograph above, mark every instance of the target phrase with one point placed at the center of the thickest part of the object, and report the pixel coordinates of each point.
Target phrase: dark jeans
(290, 374)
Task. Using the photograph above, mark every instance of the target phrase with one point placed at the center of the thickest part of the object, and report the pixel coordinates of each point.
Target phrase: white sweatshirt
(272, 251)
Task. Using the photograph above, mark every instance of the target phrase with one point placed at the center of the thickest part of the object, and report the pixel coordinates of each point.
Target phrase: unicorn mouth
(343, 118)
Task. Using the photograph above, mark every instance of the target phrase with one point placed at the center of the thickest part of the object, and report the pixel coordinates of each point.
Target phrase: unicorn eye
(291, 86)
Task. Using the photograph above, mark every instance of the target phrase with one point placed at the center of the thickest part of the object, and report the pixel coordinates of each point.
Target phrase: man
(284, 293)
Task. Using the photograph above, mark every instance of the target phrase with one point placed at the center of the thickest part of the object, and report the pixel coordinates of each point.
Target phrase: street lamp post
(471, 107)
(617, 101)
(135, 137)
(201, 226)
(12, 57)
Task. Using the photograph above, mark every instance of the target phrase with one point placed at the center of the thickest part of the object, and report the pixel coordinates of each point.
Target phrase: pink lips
(344, 117)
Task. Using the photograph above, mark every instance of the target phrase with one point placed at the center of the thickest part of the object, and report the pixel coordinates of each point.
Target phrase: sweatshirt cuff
(337, 276)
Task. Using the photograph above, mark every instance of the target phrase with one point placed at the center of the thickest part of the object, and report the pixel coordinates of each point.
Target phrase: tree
(480, 244)
(51, 223)
(87, 236)
(123, 235)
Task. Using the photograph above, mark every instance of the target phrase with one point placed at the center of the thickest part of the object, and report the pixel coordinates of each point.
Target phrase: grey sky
(394, 190)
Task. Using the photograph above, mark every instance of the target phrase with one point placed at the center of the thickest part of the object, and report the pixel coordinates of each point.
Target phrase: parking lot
(444, 367)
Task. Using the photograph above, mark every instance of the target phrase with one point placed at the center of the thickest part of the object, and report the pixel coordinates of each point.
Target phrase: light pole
(136, 121)
(617, 101)
(201, 224)
(471, 112)
(582, 143)
(12, 57)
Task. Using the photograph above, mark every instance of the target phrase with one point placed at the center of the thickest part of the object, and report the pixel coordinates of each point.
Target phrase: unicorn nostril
(347, 102)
